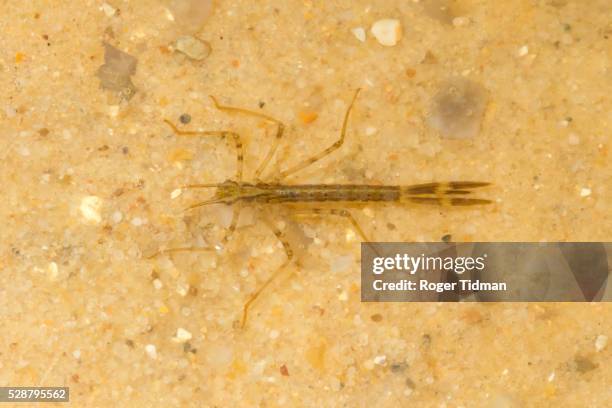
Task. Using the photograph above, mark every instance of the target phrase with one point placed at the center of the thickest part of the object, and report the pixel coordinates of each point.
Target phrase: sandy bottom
(90, 190)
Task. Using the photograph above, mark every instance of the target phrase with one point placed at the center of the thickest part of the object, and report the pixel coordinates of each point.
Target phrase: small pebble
(108, 9)
(90, 208)
(151, 351)
(76, 354)
(193, 48)
(190, 15)
(359, 33)
(458, 108)
(116, 217)
(53, 270)
(113, 110)
(524, 50)
(157, 284)
(185, 118)
(137, 221)
(176, 193)
(585, 192)
(387, 31)
(274, 334)
(182, 336)
(307, 116)
(115, 74)
(182, 289)
(380, 360)
(601, 342)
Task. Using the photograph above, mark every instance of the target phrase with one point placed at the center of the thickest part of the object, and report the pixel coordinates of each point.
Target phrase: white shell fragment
(192, 47)
(457, 109)
(387, 31)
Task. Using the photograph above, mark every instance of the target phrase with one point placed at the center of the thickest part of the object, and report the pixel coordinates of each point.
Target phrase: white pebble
(380, 360)
(90, 208)
(151, 351)
(108, 9)
(274, 334)
(76, 354)
(176, 193)
(116, 217)
(524, 50)
(157, 284)
(359, 33)
(387, 31)
(182, 289)
(53, 270)
(137, 221)
(169, 15)
(182, 336)
(585, 192)
(113, 110)
(601, 342)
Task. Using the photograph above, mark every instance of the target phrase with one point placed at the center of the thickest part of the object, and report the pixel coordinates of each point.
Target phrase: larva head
(227, 192)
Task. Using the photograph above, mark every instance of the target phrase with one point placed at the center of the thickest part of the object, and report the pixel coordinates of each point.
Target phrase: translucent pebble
(457, 109)
(191, 14)
(193, 48)
(115, 74)
(387, 31)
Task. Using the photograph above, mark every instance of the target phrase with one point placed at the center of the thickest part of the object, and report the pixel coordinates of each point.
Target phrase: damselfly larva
(238, 192)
